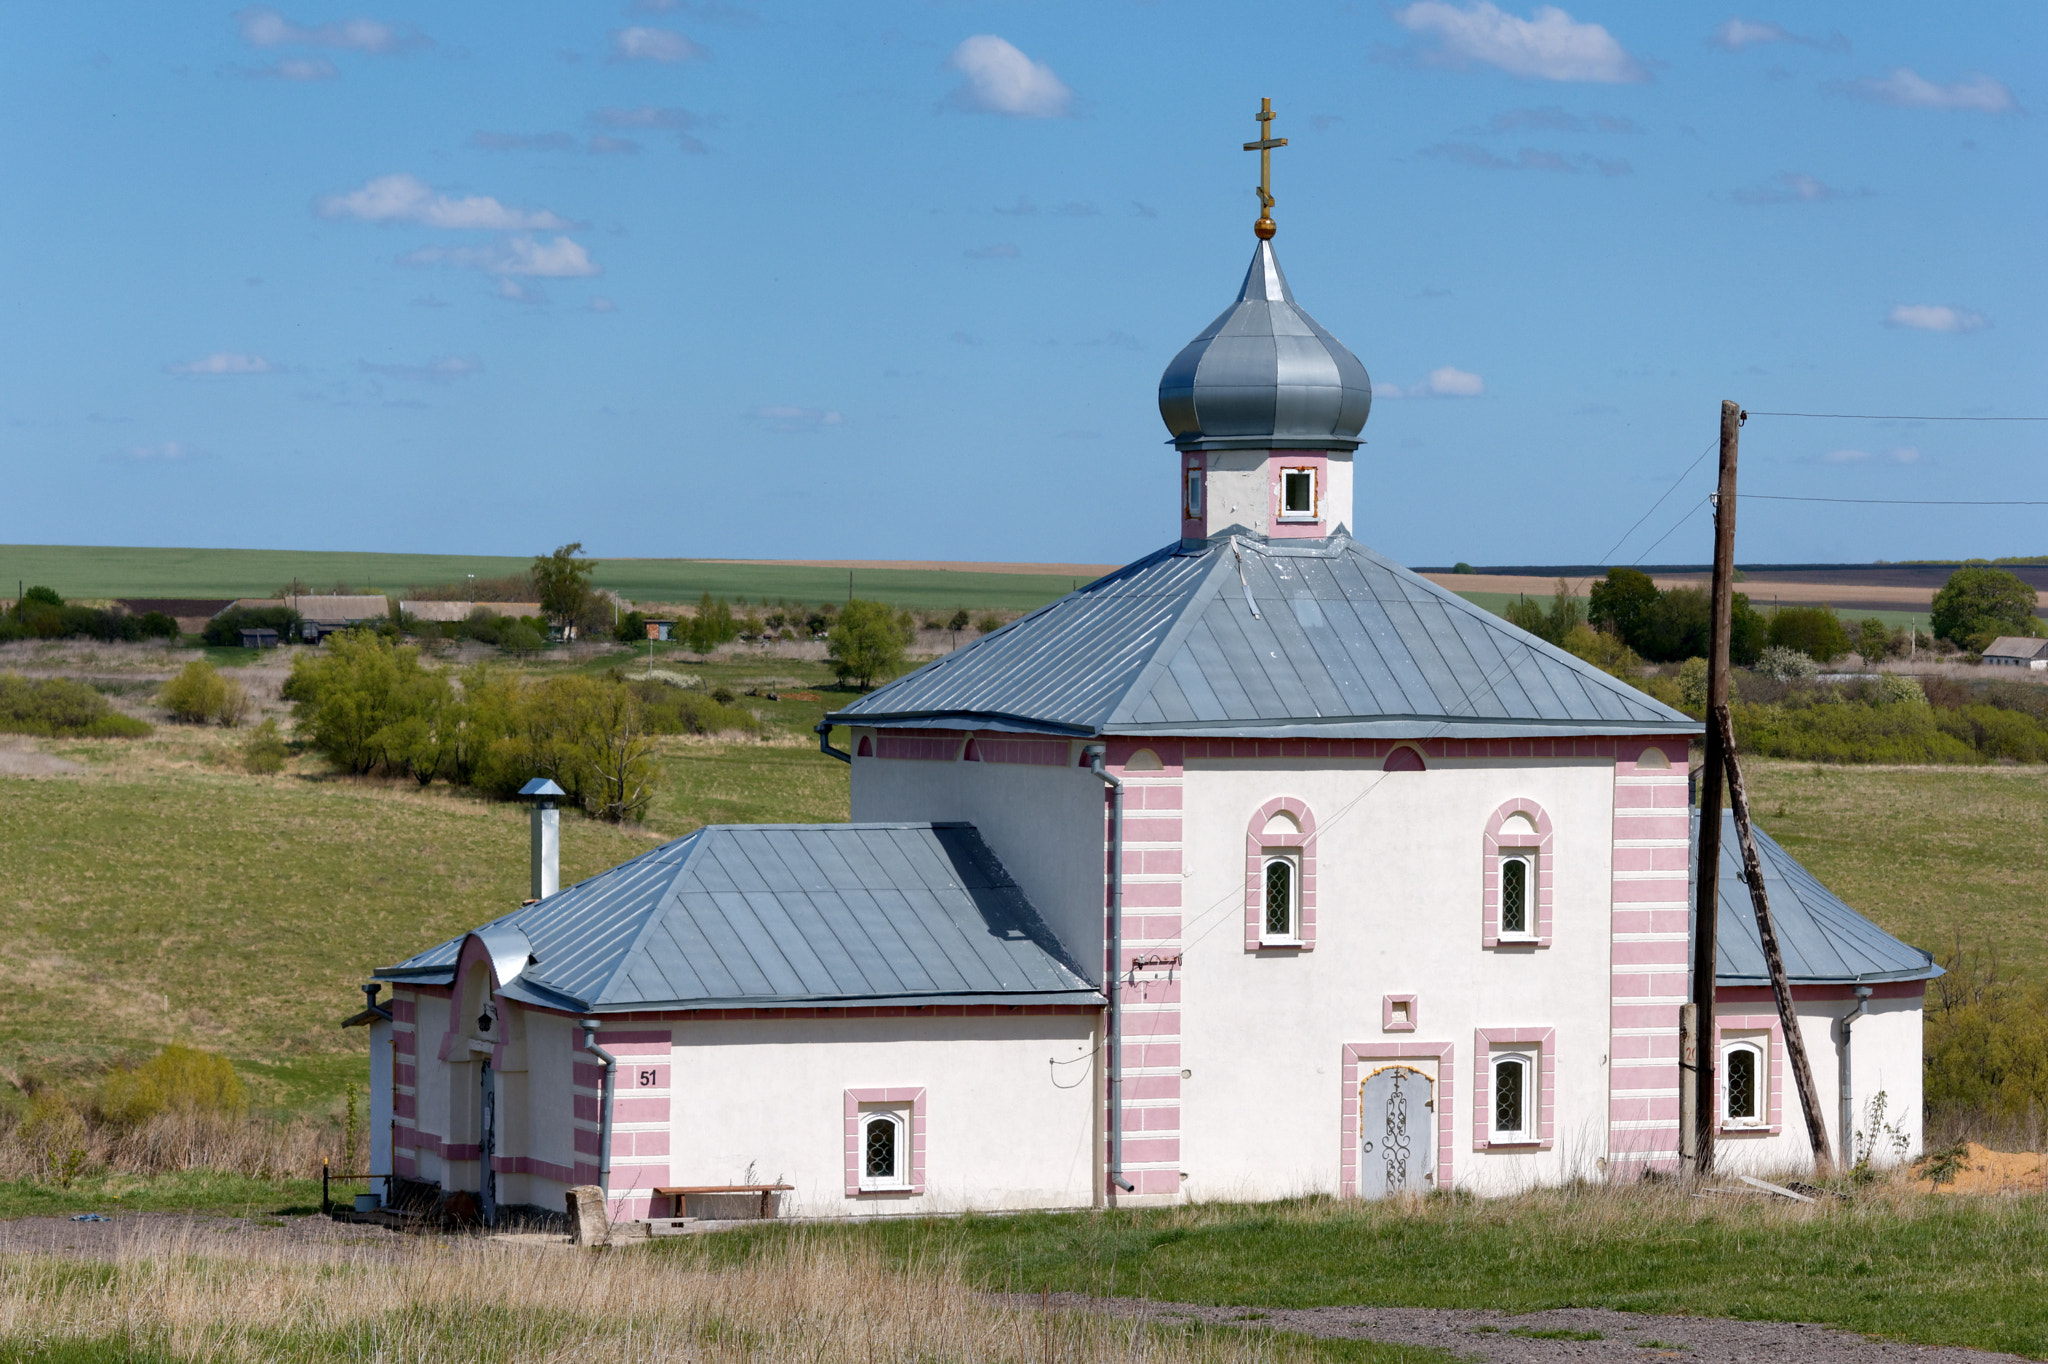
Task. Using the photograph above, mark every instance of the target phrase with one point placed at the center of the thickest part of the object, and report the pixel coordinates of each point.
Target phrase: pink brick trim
(920, 745)
(1358, 1059)
(1544, 1042)
(1002, 748)
(1404, 1023)
(533, 1165)
(1494, 841)
(1258, 843)
(914, 1097)
(1774, 1072)
(1622, 748)
(1807, 994)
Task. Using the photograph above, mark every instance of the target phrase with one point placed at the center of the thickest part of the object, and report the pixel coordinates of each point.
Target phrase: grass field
(1918, 1268)
(97, 572)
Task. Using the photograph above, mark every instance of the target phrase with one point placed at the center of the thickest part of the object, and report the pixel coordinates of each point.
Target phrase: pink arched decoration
(865, 748)
(1256, 843)
(1489, 926)
(1405, 758)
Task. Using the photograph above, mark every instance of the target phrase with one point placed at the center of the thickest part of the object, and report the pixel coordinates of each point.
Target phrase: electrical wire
(1674, 529)
(1882, 501)
(1660, 501)
(1892, 417)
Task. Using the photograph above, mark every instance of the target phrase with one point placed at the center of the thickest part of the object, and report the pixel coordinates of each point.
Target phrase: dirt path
(20, 757)
(1521, 1339)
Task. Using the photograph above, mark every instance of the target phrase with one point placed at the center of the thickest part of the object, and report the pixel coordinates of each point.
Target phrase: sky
(897, 280)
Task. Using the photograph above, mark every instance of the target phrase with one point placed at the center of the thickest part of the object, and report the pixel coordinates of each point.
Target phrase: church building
(1259, 867)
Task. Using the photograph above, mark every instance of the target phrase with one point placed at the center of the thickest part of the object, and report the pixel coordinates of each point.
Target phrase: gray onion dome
(1264, 375)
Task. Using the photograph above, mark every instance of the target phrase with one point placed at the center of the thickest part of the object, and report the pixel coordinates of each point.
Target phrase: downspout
(604, 1109)
(824, 733)
(1863, 993)
(1115, 1068)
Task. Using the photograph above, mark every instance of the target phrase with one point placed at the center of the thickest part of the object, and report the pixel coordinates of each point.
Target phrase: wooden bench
(683, 1191)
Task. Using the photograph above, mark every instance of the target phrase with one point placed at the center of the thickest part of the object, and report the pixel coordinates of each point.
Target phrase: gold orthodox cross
(1264, 147)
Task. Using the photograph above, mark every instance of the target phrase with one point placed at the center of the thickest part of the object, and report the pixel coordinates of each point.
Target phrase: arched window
(1282, 918)
(1280, 877)
(1511, 1094)
(1518, 894)
(883, 1151)
(864, 749)
(1743, 1084)
(1516, 877)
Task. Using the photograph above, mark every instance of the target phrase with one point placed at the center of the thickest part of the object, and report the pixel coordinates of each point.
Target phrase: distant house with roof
(321, 614)
(455, 612)
(2017, 651)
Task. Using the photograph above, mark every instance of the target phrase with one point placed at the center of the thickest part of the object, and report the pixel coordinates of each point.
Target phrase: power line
(1659, 502)
(1675, 525)
(1894, 417)
(1884, 501)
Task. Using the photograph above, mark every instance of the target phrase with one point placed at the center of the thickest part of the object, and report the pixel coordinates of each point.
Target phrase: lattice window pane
(1507, 1097)
(1279, 899)
(1514, 895)
(880, 1149)
(1742, 1083)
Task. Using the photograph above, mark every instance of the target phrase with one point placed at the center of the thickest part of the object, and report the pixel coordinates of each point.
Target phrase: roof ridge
(650, 916)
(1162, 653)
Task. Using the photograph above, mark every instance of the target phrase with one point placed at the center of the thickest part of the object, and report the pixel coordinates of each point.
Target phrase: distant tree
(1748, 632)
(1619, 604)
(563, 581)
(199, 695)
(868, 642)
(1672, 627)
(41, 596)
(1815, 631)
(712, 626)
(1977, 605)
(989, 623)
(632, 628)
(1461, 567)
(1524, 614)
(960, 620)
(1874, 640)
(1604, 652)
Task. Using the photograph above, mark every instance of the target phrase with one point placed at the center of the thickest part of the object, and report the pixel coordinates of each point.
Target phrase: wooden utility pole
(1706, 901)
(1767, 934)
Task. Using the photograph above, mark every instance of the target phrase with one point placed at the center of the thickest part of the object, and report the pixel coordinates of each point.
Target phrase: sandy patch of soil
(20, 758)
(1985, 1171)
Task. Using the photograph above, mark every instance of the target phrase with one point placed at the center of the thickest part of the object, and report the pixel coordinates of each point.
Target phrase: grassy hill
(84, 571)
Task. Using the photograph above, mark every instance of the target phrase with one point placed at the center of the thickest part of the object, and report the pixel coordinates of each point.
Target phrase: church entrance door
(1396, 1132)
(487, 1192)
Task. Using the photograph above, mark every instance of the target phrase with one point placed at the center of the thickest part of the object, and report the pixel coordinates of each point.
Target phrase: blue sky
(897, 280)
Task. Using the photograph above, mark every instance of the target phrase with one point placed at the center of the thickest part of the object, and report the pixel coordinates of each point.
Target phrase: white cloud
(512, 291)
(265, 27)
(641, 44)
(1903, 454)
(677, 121)
(600, 305)
(1737, 34)
(1444, 382)
(223, 362)
(1794, 187)
(441, 371)
(1002, 80)
(409, 199)
(1549, 45)
(558, 259)
(1906, 88)
(1935, 317)
(166, 452)
(298, 69)
(796, 418)
(601, 145)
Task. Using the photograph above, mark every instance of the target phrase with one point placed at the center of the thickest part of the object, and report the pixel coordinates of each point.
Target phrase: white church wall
(1044, 822)
(1398, 909)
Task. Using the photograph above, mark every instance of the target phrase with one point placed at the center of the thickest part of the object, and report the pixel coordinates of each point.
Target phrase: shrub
(667, 710)
(631, 629)
(1986, 1049)
(959, 620)
(177, 1079)
(1692, 685)
(264, 751)
(58, 708)
(869, 642)
(225, 629)
(349, 699)
(1785, 665)
(1898, 689)
(1813, 630)
(989, 623)
(1827, 729)
(1461, 567)
(712, 626)
(1875, 641)
(723, 695)
(1977, 605)
(199, 695)
(1604, 652)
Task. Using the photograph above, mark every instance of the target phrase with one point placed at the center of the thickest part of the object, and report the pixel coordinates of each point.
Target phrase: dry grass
(53, 1141)
(177, 1294)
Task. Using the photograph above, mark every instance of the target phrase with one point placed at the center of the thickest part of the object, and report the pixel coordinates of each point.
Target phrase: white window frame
(1531, 1100)
(1531, 868)
(1292, 937)
(898, 1119)
(1191, 500)
(1315, 493)
(1760, 1082)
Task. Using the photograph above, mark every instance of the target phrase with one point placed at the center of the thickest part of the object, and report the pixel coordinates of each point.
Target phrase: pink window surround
(1768, 1030)
(1401, 1022)
(1194, 527)
(1257, 843)
(1316, 460)
(1490, 872)
(914, 1097)
(1360, 1058)
(1544, 1042)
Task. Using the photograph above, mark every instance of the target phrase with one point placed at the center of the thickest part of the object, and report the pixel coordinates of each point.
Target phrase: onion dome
(1265, 376)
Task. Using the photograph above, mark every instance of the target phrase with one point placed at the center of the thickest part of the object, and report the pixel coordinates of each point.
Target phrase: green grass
(95, 572)
(1932, 855)
(186, 1191)
(1925, 1270)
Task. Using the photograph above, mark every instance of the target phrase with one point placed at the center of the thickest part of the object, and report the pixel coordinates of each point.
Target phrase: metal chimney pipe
(547, 836)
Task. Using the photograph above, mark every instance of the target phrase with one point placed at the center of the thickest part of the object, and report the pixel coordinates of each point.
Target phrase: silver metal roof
(1265, 375)
(1823, 940)
(1244, 637)
(767, 915)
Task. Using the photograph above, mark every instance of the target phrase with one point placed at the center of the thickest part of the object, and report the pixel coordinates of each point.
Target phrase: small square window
(1297, 494)
(1280, 924)
(1518, 896)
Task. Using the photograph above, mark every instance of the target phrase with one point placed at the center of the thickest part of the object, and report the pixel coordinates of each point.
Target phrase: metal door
(1396, 1133)
(488, 1185)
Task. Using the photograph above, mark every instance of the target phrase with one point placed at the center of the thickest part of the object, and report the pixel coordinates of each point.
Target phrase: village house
(1259, 867)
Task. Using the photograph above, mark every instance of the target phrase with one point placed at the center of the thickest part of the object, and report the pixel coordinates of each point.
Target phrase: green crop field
(81, 571)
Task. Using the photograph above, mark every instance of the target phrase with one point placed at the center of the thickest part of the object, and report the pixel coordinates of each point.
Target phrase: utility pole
(1707, 899)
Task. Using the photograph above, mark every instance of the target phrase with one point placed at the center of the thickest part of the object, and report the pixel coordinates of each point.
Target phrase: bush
(1550, 624)
(668, 710)
(1692, 686)
(1977, 605)
(1813, 630)
(869, 642)
(177, 1079)
(521, 636)
(712, 626)
(225, 629)
(631, 629)
(1461, 567)
(1898, 689)
(1604, 652)
(1785, 665)
(723, 695)
(200, 695)
(58, 708)
(1986, 1050)
(989, 623)
(264, 751)
(1827, 729)
(1875, 641)
(960, 620)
